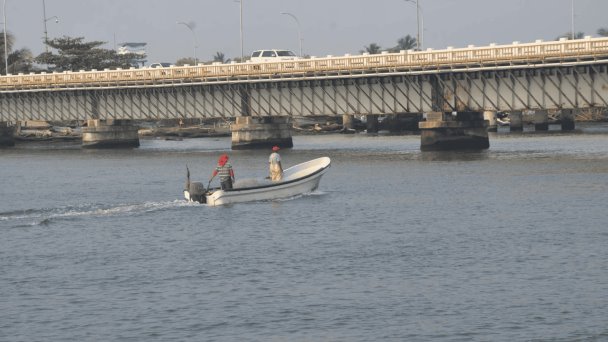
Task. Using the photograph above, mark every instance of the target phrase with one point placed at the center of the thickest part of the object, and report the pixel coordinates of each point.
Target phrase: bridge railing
(537, 52)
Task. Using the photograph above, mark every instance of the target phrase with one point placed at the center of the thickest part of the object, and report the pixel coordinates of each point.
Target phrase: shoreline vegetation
(178, 129)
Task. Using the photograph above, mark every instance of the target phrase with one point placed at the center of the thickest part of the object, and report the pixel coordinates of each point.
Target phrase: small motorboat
(502, 119)
(299, 179)
(503, 122)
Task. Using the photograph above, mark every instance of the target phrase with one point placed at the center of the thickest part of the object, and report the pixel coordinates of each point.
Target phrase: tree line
(409, 43)
(74, 54)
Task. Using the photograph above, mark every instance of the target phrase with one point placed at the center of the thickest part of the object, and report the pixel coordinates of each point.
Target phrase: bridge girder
(509, 89)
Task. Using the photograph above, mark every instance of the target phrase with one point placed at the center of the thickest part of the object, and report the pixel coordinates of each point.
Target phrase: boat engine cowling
(197, 192)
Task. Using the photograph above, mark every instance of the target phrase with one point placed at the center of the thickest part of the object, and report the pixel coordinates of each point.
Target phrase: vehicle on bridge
(160, 65)
(297, 180)
(502, 119)
(273, 55)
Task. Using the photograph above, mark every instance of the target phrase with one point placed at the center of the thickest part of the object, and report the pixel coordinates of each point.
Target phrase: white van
(273, 55)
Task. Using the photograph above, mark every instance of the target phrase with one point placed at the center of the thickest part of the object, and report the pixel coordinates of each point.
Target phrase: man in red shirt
(224, 170)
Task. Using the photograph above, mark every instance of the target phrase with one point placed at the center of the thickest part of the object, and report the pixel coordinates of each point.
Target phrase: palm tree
(10, 39)
(372, 49)
(185, 60)
(18, 60)
(220, 57)
(405, 43)
(568, 35)
(603, 32)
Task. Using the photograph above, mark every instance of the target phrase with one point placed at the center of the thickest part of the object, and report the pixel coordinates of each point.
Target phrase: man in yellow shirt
(274, 163)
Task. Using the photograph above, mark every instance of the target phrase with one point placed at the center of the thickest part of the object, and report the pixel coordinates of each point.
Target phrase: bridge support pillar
(567, 119)
(444, 131)
(490, 117)
(7, 134)
(541, 120)
(251, 133)
(109, 134)
(347, 121)
(516, 122)
(372, 124)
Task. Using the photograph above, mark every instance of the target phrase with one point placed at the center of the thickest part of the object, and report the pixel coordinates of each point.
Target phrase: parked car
(160, 65)
(273, 55)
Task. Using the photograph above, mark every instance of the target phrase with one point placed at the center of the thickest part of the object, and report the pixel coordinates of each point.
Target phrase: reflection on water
(454, 155)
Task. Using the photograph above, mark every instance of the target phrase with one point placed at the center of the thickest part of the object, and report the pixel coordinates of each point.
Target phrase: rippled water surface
(508, 244)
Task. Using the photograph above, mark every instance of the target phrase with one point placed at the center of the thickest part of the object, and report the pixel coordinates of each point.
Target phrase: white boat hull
(299, 179)
(503, 122)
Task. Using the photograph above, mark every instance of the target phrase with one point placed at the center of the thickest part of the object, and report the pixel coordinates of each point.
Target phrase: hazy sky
(328, 27)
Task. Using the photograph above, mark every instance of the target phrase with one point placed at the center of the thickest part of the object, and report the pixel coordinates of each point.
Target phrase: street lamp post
(44, 21)
(418, 42)
(241, 28)
(46, 35)
(299, 31)
(189, 26)
(572, 22)
(5, 42)
(421, 28)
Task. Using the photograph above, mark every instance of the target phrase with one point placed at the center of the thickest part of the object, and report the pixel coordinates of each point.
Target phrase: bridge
(459, 89)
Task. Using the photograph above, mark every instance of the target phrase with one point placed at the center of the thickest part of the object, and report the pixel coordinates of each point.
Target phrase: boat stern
(195, 193)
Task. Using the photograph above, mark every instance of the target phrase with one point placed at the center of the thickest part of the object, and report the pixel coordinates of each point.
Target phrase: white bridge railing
(494, 55)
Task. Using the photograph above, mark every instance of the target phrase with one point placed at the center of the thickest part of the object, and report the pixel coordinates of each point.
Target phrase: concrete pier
(110, 134)
(7, 134)
(445, 131)
(516, 122)
(567, 119)
(401, 122)
(347, 121)
(490, 117)
(372, 124)
(541, 120)
(261, 132)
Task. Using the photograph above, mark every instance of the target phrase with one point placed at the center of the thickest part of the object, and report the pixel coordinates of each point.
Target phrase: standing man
(274, 163)
(224, 169)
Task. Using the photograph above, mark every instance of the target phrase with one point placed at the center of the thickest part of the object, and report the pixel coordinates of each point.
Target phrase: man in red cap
(274, 162)
(224, 169)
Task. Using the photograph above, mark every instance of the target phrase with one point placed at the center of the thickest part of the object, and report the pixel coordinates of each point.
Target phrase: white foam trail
(313, 193)
(44, 215)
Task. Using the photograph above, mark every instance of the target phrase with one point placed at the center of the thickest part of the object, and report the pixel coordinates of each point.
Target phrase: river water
(508, 244)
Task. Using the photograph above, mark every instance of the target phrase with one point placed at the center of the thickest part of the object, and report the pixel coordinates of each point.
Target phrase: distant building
(136, 48)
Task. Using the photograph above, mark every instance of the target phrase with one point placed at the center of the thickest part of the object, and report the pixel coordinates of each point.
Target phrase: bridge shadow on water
(460, 155)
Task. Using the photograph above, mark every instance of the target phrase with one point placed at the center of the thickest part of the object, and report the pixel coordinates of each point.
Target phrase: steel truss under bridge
(508, 89)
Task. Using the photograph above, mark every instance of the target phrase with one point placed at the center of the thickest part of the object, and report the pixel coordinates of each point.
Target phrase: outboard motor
(197, 192)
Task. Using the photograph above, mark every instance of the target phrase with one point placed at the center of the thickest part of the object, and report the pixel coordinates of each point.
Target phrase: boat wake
(307, 194)
(45, 216)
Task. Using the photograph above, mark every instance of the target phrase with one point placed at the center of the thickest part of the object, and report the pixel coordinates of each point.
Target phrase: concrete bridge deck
(493, 57)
